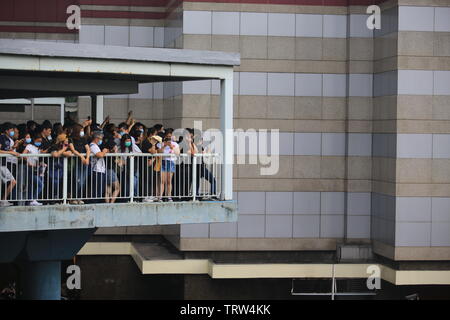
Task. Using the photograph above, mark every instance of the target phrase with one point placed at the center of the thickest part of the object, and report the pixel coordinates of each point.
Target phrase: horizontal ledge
(179, 265)
(60, 217)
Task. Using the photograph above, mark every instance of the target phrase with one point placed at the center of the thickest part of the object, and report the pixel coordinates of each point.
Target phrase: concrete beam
(61, 84)
(92, 51)
(59, 217)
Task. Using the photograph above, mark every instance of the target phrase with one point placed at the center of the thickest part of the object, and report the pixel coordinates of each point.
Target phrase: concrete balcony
(63, 217)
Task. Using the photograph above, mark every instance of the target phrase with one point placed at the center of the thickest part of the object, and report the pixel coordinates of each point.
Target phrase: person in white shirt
(98, 163)
(168, 164)
(34, 171)
(126, 146)
(7, 146)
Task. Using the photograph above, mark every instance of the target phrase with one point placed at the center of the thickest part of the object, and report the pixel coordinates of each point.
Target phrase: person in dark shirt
(45, 131)
(151, 178)
(24, 140)
(79, 164)
(31, 126)
(185, 172)
(59, 150)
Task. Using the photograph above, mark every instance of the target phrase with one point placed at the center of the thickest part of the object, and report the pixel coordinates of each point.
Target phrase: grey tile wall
(251, 226)
(279, 202)
(416, 18)
(306, 203)
(223, 230)
(410, 234)
(306, 226)
(413, 209)
(414, 145)
(278, 226)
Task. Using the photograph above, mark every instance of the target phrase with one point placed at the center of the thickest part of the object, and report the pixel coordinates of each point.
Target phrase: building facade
(363, 115)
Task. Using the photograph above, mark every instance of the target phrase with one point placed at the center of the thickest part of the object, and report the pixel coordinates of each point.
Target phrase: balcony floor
(60, 217)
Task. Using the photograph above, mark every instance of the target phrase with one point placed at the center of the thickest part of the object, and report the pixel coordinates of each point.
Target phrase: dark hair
(8, 126)
(23, 130)
(57, 129)
(30, 125)
(139, 124)
(123, 125)
(47, 124)
(190, 130)
(109, 143)
(75, 133)
(122, 142)
(95, 127)
(109, 128)
(151, 131)
(43, 127)
(135, 133)
(158, 126)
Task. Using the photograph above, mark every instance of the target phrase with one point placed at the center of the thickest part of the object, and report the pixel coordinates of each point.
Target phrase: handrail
(138, 176)
(47, 155)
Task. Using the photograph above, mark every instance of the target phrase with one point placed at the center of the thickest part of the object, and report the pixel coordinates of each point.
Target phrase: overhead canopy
(48, 69)
(32, 69)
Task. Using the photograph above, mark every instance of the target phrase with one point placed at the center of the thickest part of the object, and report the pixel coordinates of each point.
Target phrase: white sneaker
(4, 203)
(148, 199)
(80, 202)
(35, 203)
(169, 200)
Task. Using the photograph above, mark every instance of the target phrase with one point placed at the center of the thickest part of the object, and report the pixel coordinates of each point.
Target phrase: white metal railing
(118, 177)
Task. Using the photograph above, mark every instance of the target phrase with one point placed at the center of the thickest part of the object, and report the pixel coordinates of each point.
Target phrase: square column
(226, 120)
(97, 109)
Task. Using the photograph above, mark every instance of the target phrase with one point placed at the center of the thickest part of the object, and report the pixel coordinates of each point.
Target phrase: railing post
(194, 177)
(131, 178)
(65, 180)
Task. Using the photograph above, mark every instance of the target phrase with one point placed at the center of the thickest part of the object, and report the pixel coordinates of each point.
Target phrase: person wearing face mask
(24, 141)
(126, 146)
(79, 164)
(8, 164)
(168, 164)
(122, 128)
(98, 165)
(35, 170)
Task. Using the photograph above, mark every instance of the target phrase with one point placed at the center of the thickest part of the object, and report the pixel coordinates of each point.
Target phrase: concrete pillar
(41, 280)
(94, 109)
(62, 113)
(97, 109)
(226, 120)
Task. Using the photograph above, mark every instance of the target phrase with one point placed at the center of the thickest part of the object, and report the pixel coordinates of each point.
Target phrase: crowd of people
(93, 175)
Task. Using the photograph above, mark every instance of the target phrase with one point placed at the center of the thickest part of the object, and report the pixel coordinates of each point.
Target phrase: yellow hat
(157, 138)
